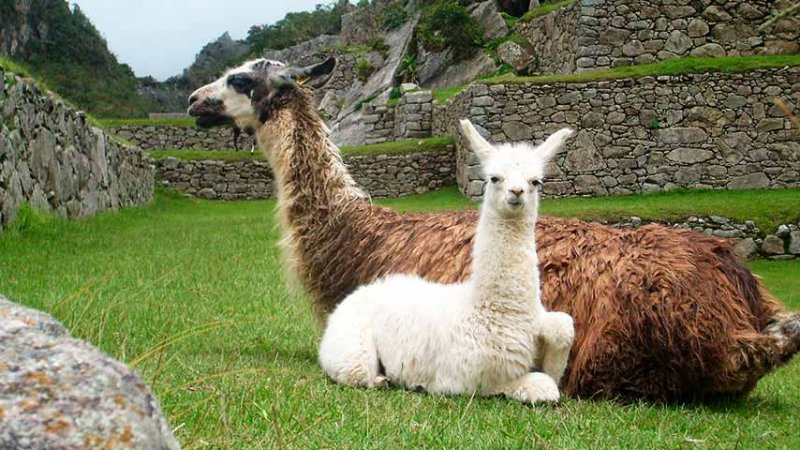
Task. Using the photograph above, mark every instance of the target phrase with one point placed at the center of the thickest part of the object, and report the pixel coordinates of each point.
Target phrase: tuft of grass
(544, 9)
(182, 122)
(441, 96)
(14, 67)
(399, 147)
(231, 352)
(30, 220)
(677, 66)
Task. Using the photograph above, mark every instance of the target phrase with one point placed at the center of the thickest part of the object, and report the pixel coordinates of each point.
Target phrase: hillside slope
(62, 47)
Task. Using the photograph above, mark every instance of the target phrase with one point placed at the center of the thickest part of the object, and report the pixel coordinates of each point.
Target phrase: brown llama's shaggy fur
(660, 314)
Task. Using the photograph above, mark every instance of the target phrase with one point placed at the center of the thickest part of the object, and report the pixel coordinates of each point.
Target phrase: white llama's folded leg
(558, 333)
(348, 354)
(532, 388)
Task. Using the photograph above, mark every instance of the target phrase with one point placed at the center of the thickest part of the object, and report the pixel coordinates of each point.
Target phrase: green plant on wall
(379, 45)
(364, 69)
(409, 69)
(447, 24)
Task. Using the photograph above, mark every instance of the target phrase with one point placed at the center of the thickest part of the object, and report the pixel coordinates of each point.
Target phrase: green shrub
(364, 69)
(409, 69)
(380, 45)
(447, 24)
(393, 16)
(395, 93)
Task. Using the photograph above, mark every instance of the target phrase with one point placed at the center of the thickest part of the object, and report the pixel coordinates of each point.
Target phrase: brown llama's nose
(518, 192)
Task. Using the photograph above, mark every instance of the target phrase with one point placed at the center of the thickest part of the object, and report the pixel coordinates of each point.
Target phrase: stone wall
(54, 159)
(612, 33)
(390, 175)
(413, 115)
(379, 123)
(717, 131)
(174, 137)
(750, 241)
(554, 40)
(410, 118)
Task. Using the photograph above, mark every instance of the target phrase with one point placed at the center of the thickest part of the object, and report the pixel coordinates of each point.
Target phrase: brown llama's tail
(785, 330)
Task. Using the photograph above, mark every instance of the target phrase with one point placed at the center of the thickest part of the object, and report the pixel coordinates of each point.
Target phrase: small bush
(393, 16)
(409, 69)
(447, 24)
(364, 69)
(379, 45)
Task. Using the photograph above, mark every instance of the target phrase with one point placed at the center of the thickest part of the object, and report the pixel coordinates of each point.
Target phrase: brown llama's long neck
(316, 194)
(312, 180)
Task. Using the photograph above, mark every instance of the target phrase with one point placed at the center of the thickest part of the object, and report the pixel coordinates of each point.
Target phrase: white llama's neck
(505, 271)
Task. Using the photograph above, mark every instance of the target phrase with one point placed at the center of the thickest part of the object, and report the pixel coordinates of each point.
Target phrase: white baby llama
(488, 336)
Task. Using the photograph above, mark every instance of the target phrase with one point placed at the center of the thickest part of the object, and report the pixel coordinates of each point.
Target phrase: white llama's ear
(552, 145)
(479, 145)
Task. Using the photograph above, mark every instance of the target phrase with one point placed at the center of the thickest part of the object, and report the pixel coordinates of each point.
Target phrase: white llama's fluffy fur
(488, 336)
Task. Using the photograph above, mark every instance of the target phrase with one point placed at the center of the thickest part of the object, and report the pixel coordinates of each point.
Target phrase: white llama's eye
(536, 183)
(494, 179)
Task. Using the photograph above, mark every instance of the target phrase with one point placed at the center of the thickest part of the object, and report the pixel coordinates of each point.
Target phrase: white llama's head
(514, 173)
(233, 98)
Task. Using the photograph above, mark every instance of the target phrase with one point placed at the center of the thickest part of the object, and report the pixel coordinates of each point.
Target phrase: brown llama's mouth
(213, 120)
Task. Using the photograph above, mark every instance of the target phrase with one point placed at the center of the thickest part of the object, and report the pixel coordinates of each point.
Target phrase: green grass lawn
(192, 294)
(768, 208)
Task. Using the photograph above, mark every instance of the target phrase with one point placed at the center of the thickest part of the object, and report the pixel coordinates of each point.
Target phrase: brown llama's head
(243, 96)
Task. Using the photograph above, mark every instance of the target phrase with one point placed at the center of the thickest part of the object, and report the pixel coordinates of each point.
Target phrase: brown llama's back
(660, 314)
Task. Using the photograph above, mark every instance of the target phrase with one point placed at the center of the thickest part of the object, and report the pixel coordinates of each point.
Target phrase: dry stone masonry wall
(175, 137)
(410, 118)
(52, 158)
(643, 135)
(391, 175)
(593, 34)
(750, 241)
(554, 40)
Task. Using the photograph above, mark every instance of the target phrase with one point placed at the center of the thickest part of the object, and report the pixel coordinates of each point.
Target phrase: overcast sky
(162, 37)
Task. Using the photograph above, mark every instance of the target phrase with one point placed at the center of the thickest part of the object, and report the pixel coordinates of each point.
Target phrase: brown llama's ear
(315, 73)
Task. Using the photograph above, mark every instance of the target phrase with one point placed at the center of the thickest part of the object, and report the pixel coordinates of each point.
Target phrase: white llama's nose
(517, 192)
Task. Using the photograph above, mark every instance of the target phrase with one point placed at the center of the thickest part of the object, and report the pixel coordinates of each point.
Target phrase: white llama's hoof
(380, 382)
(539, 388)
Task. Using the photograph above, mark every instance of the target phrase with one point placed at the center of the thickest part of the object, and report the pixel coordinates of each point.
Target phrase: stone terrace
(642, 135)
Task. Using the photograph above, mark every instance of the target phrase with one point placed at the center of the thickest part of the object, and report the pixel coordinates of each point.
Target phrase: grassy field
(769, 208)
(192, 294)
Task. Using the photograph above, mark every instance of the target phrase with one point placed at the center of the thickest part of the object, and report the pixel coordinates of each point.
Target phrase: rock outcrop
(213, 59)
(59, 392)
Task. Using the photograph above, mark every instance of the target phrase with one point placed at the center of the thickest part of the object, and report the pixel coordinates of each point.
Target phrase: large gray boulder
(439, 70)
(489, 17)
(58, 392)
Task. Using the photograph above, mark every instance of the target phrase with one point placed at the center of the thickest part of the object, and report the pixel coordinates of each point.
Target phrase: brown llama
(660, 314)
